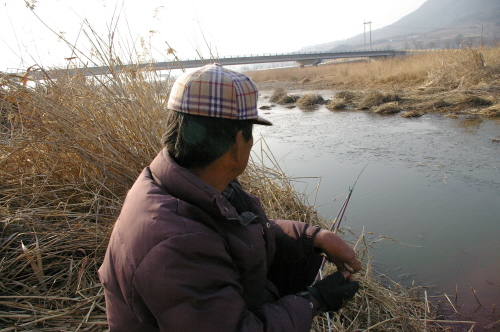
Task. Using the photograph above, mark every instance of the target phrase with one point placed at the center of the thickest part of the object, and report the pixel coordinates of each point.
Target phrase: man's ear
(237, 147)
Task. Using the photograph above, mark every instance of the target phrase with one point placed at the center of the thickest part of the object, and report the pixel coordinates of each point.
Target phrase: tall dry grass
(467, 67)
(460, 82)
(70, 148)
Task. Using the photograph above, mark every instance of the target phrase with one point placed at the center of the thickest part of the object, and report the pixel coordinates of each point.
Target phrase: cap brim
(260, 120)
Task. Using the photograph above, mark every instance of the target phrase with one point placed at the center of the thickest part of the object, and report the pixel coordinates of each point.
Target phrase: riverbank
(463, 83)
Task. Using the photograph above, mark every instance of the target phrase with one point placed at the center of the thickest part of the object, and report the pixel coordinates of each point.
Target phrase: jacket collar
(184, 185)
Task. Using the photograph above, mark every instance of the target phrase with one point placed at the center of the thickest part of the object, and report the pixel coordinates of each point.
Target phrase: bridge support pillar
(311, 62)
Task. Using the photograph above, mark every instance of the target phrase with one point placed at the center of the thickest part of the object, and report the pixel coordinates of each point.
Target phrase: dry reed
(376, 98)
(353, 75)
(336, 104)
(431, 105)
(346, 95)
(412, 114)
(70, 148)
(469, 100)
(389, 108)
(443, 70)
(342, 100)
(280, 96)
(465, 69)
(309, 99)
(493, 112)
(459, 82)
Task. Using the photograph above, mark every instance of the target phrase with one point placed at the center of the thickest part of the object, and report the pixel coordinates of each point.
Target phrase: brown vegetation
(66, 163)
(388, 108)
(280, 96)
(458, 82)
(336, 104)
(376, 98)
(412, 114)
(342, 99)
(492, 112)
(309, 99)
(440, 69)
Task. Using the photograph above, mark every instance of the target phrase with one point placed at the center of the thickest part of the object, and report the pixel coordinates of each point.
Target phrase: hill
(436, 24)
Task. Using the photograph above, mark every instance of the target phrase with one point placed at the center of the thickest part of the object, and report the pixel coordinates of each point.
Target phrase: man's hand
(334, 289)
(337, 251)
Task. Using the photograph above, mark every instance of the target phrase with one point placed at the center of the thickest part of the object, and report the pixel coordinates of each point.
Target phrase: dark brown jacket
(181, 258)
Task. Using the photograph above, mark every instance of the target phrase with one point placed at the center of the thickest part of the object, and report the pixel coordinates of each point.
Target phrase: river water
(432, 184)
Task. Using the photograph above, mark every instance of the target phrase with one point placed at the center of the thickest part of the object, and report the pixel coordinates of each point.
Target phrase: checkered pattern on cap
(218, 92)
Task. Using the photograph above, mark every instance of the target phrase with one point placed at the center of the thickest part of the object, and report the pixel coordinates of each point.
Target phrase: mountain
(436, 24)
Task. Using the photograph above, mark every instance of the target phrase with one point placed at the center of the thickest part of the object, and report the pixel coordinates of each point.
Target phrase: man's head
(207, 108)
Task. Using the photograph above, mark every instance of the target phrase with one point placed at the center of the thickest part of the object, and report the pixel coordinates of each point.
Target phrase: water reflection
(471, 122)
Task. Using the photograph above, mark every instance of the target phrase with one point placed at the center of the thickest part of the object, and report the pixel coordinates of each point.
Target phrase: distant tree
(418, 44)
(432, 45)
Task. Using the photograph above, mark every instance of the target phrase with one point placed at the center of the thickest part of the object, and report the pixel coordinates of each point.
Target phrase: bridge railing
(284, 54)
(226, 60)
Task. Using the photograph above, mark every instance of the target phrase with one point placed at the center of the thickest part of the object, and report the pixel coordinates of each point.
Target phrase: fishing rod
(335, 227)
(338, 219)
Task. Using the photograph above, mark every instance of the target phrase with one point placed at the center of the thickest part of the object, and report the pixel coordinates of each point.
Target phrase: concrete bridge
(304, 58)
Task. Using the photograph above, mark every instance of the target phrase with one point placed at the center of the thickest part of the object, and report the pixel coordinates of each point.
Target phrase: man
(192, 251)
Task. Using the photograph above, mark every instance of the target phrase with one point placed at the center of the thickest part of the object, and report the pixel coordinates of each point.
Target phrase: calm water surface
(432, 184)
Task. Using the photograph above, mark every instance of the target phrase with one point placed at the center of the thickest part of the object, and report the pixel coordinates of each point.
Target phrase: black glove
(333, 290)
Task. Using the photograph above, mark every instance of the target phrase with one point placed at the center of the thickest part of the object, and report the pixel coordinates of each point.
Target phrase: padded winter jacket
(182, 258)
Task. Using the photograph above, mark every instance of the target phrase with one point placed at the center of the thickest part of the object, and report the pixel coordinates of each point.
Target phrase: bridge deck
(236, 60)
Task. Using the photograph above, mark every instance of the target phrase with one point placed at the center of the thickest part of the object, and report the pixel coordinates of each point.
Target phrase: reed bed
(388, 108)
(336, 104)
(466, 69)
(342, 99)
(458, 83)
(70, 148)
(309, 99)
(280, 96)
(447, 69)
(376, 98)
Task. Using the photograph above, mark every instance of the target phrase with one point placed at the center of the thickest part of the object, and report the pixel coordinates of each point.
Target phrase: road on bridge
(304, 58)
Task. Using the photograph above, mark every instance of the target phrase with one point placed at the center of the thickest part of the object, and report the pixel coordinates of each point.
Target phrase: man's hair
(197, 141)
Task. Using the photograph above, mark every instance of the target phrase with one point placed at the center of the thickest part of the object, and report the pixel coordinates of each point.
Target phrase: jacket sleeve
(294, 240)
(190, 283)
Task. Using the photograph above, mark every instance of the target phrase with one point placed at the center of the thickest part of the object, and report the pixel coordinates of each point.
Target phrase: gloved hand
(333, 290)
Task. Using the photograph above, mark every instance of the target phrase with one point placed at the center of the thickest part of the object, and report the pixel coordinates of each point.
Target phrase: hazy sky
(229, 27)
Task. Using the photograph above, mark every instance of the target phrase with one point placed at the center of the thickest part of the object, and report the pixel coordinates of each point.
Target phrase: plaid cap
(218, 92)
